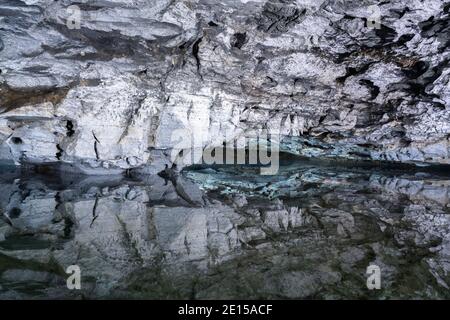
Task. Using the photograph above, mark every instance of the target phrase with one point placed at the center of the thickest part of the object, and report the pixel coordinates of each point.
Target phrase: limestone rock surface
(102, 85)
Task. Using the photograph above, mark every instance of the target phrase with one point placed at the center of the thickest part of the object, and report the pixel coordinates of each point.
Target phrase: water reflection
(309, 232)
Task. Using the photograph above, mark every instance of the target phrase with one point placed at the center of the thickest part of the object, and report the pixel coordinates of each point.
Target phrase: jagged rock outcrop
(106, 92)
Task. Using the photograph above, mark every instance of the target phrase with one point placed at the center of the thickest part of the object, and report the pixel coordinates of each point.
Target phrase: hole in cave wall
(14, 213)
(238, 40)
(59, 153)
(16, 140)
(404, 39)
(196, 50)
(69, 127)
(374, 90)
(447, 8)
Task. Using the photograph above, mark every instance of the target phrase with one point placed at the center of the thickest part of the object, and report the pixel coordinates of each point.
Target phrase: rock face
(103, 85)
(107, 86)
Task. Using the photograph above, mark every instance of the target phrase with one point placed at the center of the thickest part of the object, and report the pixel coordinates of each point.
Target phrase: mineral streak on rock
(132, 72)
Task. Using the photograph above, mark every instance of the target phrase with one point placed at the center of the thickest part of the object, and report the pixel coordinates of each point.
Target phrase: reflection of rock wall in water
(110, 231)
(134, 239)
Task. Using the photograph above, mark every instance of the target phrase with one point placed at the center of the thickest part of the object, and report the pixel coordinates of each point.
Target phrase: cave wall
(104, 85)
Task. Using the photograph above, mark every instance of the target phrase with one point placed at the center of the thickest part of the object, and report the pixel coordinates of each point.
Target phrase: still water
(309, 232)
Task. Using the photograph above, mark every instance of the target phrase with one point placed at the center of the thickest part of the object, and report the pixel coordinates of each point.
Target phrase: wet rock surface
(309, 232)
(107, 86)
(104, 88)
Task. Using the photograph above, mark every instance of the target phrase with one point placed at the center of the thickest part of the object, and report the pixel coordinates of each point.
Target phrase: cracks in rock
(59, 153)
(187, 245)
(129, 242)
(418, 73)
(400, 12)
(167, 7)
(189, 111)
(108, 45)
(130, 119)
(423, 76)
(195, 52)
(239, 39)
(212, 24)
(277, 17)
(270, 83)
(94, 212)
(95, 137)
(69, 127)
(404, 39)
(438, 28)
(96, 142)
(353, 72)
(417, 69)
(374, 90)
(68, 221)
(377, 55)
(385, 34)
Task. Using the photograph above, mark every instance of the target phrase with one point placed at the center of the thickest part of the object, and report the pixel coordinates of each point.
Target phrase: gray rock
(123, 91)
(112, 91)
